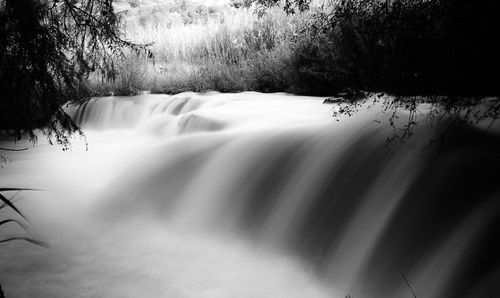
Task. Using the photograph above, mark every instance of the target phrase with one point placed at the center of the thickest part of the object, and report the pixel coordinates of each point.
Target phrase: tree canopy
(47, 48)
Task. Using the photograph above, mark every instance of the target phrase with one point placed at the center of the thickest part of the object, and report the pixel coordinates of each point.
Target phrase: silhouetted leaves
(6, 202)
(6, 221)
(47, 48)
(405, 47)
(30, 240)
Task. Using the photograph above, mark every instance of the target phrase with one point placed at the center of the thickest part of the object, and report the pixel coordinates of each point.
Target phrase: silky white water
(251, 195)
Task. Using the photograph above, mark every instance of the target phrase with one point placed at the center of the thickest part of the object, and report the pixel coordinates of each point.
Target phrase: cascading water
(256, 195)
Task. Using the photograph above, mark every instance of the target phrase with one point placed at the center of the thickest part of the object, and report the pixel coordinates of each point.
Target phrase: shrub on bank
(403, 46)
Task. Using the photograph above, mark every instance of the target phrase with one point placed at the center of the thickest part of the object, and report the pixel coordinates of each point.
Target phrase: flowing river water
(252, 195)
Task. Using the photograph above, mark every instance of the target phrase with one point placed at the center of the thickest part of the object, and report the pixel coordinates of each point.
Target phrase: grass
(8, 203)
(23, 224)
(199, 47)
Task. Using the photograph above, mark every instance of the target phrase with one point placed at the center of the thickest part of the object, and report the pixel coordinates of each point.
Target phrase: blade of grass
(408, 285)
(18, 189)
(6, 221)
(14, 149)
(12, 200)
(8, 203)
(30, 240)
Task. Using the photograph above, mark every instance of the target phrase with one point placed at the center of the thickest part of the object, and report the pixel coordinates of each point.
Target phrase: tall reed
(201, 47)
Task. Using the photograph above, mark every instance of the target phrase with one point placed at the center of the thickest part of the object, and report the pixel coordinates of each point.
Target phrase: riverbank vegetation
(200, 47)
(421, 47)
(438, 52)
(442, 50)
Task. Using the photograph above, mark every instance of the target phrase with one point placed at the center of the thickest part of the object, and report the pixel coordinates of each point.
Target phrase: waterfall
(371, 218)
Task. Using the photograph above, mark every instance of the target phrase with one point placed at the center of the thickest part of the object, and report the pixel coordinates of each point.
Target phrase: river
(252, 195)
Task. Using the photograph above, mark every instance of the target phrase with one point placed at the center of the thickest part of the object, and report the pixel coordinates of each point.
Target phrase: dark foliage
(439, 52)
(290, 6)
(407, 47)
(241, 3)
(47, 48)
